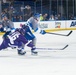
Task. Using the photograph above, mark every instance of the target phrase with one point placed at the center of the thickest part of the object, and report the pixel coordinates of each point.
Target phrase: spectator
(11, 11)
(56, 17)
(14, 18)
(28, 12)
(20, 19)
(6, 12)
(45, 17)
(41, 17)
(71, 17)
(51, 17)
(22, 10)
(59, 17)
(17, 18)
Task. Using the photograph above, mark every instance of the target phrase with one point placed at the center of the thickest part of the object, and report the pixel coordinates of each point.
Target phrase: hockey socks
(33, 52)
(30, 44)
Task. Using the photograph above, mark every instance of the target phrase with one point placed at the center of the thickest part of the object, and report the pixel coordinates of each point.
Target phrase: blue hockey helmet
(36, 15)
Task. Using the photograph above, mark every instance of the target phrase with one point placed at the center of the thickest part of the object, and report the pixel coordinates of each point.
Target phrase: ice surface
(48, 62)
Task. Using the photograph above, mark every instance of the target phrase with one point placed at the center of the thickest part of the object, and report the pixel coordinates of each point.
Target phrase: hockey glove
(42, 32)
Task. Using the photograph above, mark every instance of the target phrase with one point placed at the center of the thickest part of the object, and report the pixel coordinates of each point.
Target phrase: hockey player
(32, 24)
(15, 39)
(7, 25)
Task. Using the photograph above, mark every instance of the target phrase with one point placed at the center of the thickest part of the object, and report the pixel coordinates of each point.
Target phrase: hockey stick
(61, 34)
(53, 48)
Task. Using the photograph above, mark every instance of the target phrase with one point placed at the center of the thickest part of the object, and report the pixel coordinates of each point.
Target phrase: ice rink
(47, 62)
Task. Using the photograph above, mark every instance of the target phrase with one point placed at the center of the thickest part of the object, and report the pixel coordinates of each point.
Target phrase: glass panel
(21, 10)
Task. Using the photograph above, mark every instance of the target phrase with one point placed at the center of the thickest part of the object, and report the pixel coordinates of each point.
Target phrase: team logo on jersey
(73, 24)
(57, 24)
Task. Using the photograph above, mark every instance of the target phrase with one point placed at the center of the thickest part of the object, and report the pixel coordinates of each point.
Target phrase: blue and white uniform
(7, 25)
(32, 24)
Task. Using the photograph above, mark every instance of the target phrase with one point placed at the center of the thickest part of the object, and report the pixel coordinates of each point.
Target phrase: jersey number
(13, 37)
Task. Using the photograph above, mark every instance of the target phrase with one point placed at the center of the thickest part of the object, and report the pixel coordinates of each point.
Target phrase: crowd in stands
(22, 13)
(17, 14)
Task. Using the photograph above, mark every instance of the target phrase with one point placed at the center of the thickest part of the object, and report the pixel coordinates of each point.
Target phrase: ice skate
(20, 52)
(33, 52)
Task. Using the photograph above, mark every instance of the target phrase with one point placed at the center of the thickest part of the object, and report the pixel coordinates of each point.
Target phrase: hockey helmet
(36, 15)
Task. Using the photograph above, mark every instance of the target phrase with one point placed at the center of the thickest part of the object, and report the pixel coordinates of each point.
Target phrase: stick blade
(65, 47)
(69, 33)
